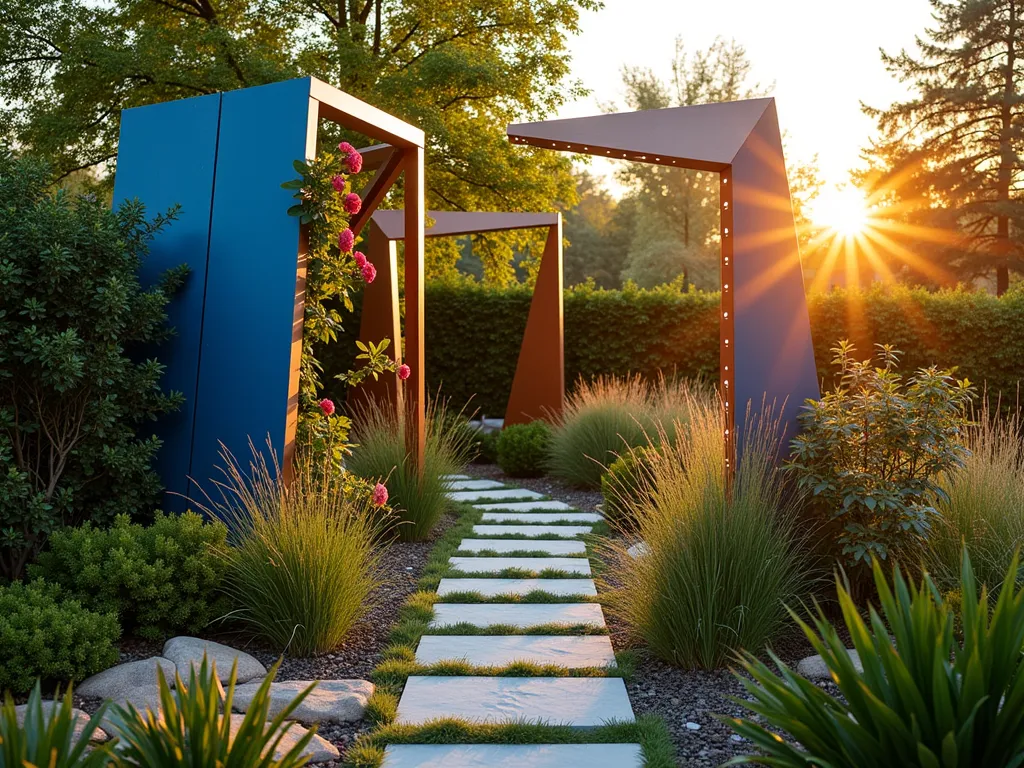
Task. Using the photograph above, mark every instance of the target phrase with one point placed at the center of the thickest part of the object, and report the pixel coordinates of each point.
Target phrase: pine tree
(949, 159)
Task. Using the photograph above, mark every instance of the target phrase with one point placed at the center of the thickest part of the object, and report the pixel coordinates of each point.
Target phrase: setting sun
(842, 210)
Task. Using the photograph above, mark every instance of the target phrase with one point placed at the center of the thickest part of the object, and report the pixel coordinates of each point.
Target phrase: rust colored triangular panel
(538, 388)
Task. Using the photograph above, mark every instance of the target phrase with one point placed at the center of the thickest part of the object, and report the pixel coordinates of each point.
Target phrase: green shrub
(160, 579)
(487, 443)
(523, 449)
(983, 506)
(194, 729)
(629, 482)
(927, 697)
(305, 559)
(873, 450)
(47, 735)
(417, 500)
(78, 399)
(718, 565)
(45, 636)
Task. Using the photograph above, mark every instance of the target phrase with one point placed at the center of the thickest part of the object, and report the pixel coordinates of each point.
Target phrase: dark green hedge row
(473, 334)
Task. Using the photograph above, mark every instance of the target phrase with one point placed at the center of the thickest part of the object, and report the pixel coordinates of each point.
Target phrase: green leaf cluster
(45, 635)
(48, 735)
(160, 579)
(523, 449)
(874, 448)
(79, 386)
(928, 696)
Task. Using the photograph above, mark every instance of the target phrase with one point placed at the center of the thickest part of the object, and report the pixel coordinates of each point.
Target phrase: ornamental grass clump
(940, 688)
(983, 506)
(47, 735)
(418, 500)
(306, 556)
(717, 567)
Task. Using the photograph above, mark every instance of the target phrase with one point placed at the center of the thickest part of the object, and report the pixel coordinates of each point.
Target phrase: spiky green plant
(417, 499)
(46, 737)
(306, 556)
(717, 565)
(927, 697)
(193, 728)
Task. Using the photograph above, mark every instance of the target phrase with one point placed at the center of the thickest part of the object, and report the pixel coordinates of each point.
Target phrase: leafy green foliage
(194, 728)
(873, 449)
(305, 559)
(927, 697)
(628, 482)
(523, 449)
(380, 455)
(76, 393)
(160, 579)
(717, 564)
(47, 736)
(43, 635)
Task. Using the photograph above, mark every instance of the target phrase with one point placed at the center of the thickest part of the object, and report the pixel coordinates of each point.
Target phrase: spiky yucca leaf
(47, 737)
(925, 697)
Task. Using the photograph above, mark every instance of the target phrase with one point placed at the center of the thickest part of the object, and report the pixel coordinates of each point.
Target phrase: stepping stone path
(579, 702)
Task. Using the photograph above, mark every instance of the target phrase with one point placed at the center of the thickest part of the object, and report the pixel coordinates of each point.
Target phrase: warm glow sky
(821, 54)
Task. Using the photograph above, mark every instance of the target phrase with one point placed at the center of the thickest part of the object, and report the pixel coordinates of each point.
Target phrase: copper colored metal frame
(538, 388)
(766, 355)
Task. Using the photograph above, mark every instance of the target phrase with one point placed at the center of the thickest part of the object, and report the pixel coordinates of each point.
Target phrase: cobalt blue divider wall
(246, 384)
(166, 156)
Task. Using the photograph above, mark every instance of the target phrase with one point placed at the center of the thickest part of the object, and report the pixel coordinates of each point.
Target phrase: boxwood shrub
(523, 449)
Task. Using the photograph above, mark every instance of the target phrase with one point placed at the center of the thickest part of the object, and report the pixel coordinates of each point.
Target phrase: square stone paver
(541, 517)
(569, 651)
(520, 615)
(474, 485)
(536, 564)
(514, 494)
(513, 756)
(548, 505)
(526, 531)
(498, 587)
(552, 547)
(582, 702)
(455, 477)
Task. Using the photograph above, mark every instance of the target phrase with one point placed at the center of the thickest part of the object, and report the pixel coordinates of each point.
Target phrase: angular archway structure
(223, 158)
(538, 388)
(765, 337)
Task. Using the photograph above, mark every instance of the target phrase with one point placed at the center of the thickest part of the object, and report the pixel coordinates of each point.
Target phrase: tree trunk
(1007, 156)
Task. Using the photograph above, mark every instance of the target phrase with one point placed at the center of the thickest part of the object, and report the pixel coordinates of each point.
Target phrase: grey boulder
(332, 701)
(119, 682)
(319, 749)
(814, 667)
(186, 651)
(81, 719)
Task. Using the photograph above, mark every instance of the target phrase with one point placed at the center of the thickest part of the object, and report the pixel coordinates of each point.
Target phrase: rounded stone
(332, 701)
(119, 682)
(814, 667)
(185, 651)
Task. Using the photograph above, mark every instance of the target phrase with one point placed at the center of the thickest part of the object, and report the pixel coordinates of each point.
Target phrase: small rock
(814, 667)
(692, 726)
(638, 550)
(319, 749)
(675, 702)
(186, 651)
(118, 682)
(736, 738)
(332, 701)
(81, 719)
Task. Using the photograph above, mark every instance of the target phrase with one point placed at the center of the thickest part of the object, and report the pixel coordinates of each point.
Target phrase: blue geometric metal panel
(166, 156)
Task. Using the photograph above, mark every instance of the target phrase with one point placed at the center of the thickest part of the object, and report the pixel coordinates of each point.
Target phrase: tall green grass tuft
(984, 508)
(606, 417)
(717, 567)
(380, 455)
(306, 556)
(46, 736)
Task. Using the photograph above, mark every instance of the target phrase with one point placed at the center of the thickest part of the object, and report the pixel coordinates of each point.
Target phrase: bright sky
(821, 54)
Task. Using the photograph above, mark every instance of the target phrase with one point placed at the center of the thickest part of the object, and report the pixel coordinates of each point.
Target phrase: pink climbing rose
(360, 259)
(404, 371)
(354, 162)
(346, 148)
(369, 272)
(353, 203)
(327, 406)
(346, 240)
(339, 183)
(380, 495)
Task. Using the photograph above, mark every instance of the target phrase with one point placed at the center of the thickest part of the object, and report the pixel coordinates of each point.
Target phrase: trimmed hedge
(473, 334)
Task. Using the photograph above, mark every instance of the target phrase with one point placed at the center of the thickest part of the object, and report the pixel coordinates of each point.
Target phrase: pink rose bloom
(404, 371)
(360, 259)
(353, 203)
(327, 406)
(339, 183)
(346, 148)
(380, 495)
(369, 272)
(354, 162)
(346, 240)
